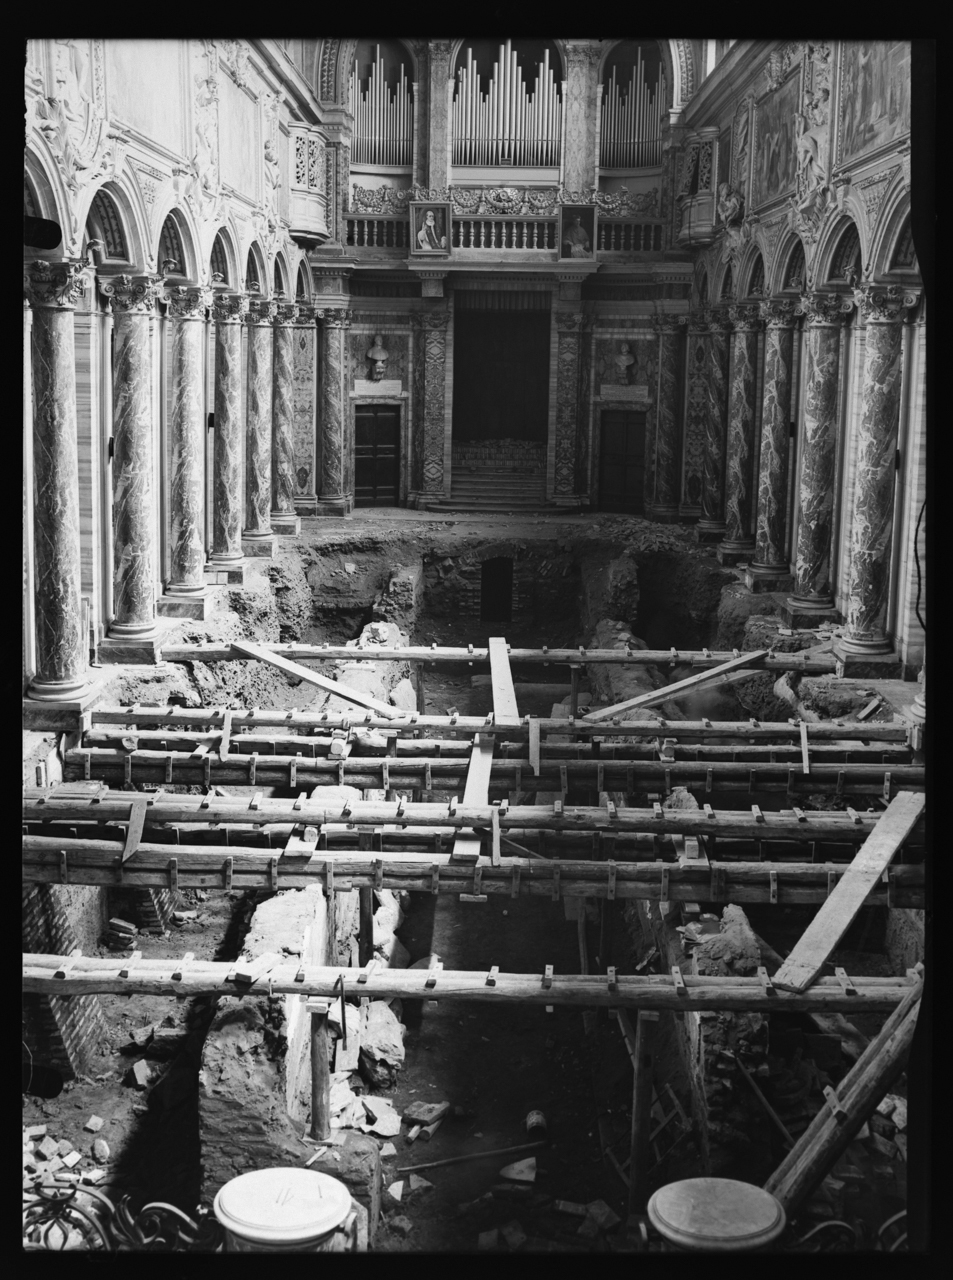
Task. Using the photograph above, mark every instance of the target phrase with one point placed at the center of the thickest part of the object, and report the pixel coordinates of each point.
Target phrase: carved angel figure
(730, 205)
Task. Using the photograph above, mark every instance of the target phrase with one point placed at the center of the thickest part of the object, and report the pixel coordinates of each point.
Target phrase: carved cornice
(884, 304)
(132, 295)
(337, 318)
(778, 313)
(437, 319)
(746, 316)
(261, 311)
(188, 302)
(230, 308)
(824, 309)
(56, 285)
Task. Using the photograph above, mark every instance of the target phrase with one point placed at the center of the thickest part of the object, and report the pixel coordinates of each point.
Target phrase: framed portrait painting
(429, 229)
(577, 231)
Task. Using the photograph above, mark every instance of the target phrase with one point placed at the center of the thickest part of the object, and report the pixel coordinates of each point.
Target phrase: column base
(662, 515)
(260, 547)
(135, 650)
(195, 606)
(710, 530)
(801, 613)
(851, 664)
(918, 710)
(286, 522)
(571, 500)
(334, 506)
(306, 506)
(232, 573)
(768, 578)
(62, 715)
(731, 553)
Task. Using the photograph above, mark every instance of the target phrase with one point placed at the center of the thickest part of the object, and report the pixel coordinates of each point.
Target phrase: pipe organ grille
(383, 117)
(631, 120)
(507, 124)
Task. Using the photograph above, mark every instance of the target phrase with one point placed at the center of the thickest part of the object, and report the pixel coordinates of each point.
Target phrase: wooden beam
(92, 974)
(320, 1074)
(467, 844)
(681, 686)
(858, 1095)
(505, 710)
(833, 920)
(249, 650)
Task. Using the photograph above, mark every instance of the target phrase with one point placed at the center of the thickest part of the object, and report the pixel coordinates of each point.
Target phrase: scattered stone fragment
(419, 1184)
(520, 1170)
(72, 1159)
(403, 1226)
(94, 1124)
(46, 1149)
(53, 1164)
(36, 1131)
(425, 1112)
(589, 1227)
(139, 1074)
(513, 1234)
(142, 1035)
(488, 1239)
(180, 917)
(388, 1150)
(606, 1218)
(100, 1150)
(396, 1191)
(382, 1045)
(93, 1175)
(123, 926)
(895, 1109)
(569, 1206)
(64, 1147)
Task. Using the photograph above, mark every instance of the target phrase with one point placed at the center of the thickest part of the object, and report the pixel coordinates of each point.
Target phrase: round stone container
(281, 1211)
(716, 1215)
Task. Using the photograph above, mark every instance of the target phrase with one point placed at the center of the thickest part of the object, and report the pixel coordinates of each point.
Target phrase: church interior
(407, 422)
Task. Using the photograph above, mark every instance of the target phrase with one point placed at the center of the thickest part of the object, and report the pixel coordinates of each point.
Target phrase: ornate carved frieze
(884, 304)
(188, 302)
(667, 323)
(55, 284)
(778, 313)
(132, 294)
(780, 63)
(234, 57)
(625, 203)
(379, 199)
(872, 191)
(824, 308)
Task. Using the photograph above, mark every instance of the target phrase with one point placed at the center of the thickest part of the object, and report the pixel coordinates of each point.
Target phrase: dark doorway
(622, 461)
(496, 590)
(500, 374)
(376, 455)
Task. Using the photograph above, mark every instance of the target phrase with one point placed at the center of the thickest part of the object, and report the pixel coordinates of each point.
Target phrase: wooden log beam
(813, 665)
(466, 726)
(95, 975)
(467, 844)
(857, 1096)
(690, 685)
(505, 710)
(201, 866)
(833, 920)
(246, 649)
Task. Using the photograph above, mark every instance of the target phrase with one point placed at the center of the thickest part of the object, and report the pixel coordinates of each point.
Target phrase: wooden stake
(646, 1026)
(320, 1074)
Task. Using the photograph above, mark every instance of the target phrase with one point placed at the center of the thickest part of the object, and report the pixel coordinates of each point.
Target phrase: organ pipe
(383, 119)
(509, 122)
(631, 120)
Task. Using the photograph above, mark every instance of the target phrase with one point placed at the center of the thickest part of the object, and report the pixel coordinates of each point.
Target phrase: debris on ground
(520, 1170)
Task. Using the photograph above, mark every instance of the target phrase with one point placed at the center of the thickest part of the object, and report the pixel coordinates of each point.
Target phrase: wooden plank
(320, 1074)
(137, 818)
(534, 744)
(643, 1064)
(505, 710)
(693, 682)
(805, 755)
(250, 650)
(467, 845)
(860, 1092)
(832, 921)
(93, 974)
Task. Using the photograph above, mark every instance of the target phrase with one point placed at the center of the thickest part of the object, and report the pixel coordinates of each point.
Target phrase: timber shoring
(81, 975)
(58, 860)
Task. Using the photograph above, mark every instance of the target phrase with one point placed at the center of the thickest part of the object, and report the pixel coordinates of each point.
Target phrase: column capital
(778, 313)
(745, 316)
(568, 322)
(57, 285)
(230, 308)
(132, 294)
(436, 319)
(285, 314)
(709, 320)
(261, 311)
(337, 317)
(824, 309)
(668, 324)
(308, 313)
(884, 304)
(188, 302)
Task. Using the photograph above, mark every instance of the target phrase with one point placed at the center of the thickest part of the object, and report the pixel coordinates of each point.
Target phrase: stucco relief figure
(204, 162)
(377, 356)
(624, 362)
(730, 205)
(428, 237)
(810, 128)
(576, 242)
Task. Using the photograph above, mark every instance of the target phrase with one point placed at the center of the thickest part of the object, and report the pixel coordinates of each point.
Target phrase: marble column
(186, 309)
(770, 564)
(283, 516)
(430, 406)
(133, 300)
(871, 529)
(813, 598)
(257, 528)
(664, 503)
(738, 542)
(61, 649)
(229, 310)
(569, 333)
(335, 412)
(715, 323)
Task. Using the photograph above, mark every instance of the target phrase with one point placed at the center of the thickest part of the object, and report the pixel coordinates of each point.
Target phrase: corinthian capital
(568, 322)
(824, 308)
(337, 318)
(778, 313)
(745, 316)
(286, 314)
(668, 324)
(230, 308)
(261, 311)
(58, 285)
(132, 294)
(188, 302)
(884, 304)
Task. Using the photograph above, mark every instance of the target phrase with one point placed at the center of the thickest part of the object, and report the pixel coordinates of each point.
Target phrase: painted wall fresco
(775, 158)
(874, 95)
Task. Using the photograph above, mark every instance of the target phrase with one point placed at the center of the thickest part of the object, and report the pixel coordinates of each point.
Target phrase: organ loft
(473, 661)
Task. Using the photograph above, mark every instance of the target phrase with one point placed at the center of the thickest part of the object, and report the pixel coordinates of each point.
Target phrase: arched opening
(496, 589)
(845, 260)
(904, 256)
(380, 98)
(703, 288)
(38, 232)
(756, 278)
(171, 253)
(218, 262)
(633, 100)
(104, 224)
(279, 280)
(254, 273)
(794, 272)
(507, 103)
(727, 286)
(301, 287)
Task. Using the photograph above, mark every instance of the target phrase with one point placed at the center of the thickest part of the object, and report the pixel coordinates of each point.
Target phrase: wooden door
(622, 461)
(376, 455)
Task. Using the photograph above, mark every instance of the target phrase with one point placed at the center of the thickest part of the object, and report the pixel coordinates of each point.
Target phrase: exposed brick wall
(155, 907)
(61, 1032)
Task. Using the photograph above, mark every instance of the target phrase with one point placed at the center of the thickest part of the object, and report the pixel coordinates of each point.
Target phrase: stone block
(259, 547)
(729, 558)
(140, 652)
(286, 525)
(233, 574)
(866, 666)
(761, 582)
(61, 716)
(199, 607)
(793, 614)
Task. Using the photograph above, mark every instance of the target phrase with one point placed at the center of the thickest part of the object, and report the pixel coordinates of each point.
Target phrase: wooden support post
(365, 937)
(641, 1108)
(320, 1073)
(574, 669)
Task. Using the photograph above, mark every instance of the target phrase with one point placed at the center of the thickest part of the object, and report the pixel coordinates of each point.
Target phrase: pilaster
(430, 394)
(663, 505)
(569, 330)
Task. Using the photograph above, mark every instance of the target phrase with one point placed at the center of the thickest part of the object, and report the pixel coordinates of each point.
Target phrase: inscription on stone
(638, 391)
(386, 387)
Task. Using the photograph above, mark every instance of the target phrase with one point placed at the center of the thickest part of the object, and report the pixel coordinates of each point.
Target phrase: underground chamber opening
(496, 589)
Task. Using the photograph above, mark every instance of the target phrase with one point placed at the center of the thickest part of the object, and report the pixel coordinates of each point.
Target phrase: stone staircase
(509, 487)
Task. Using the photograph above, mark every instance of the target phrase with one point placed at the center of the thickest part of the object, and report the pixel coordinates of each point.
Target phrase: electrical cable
(916, 557)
